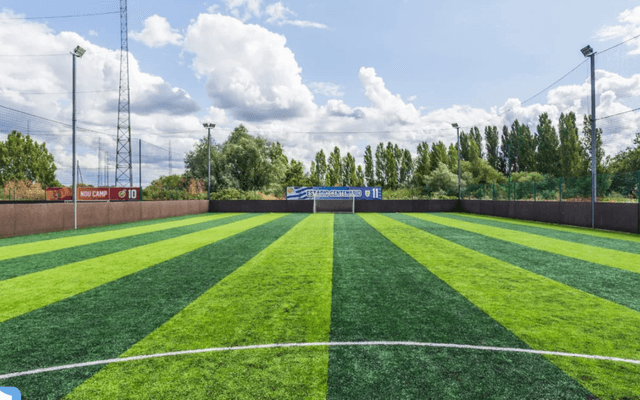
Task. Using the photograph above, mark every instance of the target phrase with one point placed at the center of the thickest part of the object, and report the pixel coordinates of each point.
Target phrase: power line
(615, 115)
(619, 44)
(94, 91)
(32, 55)
(65, 16)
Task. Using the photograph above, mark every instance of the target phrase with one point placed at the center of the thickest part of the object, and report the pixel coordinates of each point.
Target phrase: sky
(374, 70)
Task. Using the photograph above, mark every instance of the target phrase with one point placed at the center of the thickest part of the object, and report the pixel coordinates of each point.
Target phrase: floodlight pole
(77, 52)
(209, 126)
(588, 52)
(458, 135)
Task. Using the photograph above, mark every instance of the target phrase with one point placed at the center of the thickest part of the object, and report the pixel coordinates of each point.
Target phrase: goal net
(323, 205)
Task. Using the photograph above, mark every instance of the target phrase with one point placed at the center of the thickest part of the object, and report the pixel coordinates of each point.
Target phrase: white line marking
(276, 345)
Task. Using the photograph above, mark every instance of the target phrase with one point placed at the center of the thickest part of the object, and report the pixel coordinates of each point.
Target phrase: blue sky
(325, 65)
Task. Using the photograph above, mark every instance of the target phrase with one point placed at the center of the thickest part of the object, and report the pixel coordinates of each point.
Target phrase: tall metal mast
(123, 146)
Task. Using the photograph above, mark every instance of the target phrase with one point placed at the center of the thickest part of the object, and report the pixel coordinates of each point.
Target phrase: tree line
(250, 162)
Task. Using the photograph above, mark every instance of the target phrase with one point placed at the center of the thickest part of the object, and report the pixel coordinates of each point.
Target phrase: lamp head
(587, 51)
(78, 51)
(454, 125)
(209, 125)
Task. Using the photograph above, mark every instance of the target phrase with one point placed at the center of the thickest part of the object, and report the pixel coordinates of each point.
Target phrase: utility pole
(208, 126)
(77, 52)
(588, 52)
(459, 185)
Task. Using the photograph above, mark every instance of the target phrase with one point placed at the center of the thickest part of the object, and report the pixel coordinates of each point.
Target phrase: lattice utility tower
(123, 145)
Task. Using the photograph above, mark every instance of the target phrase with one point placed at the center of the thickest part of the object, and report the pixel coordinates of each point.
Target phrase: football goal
(324, 205)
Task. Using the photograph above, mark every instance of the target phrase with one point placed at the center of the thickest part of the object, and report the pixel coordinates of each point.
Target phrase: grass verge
(30, 292)
(381, 293)
(545, 314)
(38, 262)
(104, 322)
(281, 295)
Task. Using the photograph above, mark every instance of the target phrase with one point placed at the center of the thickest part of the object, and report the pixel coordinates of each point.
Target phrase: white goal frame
(352, 198)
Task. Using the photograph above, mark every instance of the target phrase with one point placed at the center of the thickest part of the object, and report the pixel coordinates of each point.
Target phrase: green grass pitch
(368, 306)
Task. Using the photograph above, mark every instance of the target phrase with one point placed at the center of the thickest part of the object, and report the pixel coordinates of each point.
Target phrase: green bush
(235, 194)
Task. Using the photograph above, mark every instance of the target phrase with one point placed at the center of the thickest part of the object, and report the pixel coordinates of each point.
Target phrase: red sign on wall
(90, 193)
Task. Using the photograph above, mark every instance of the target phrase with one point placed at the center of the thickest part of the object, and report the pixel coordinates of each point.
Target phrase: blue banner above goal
(334, 193)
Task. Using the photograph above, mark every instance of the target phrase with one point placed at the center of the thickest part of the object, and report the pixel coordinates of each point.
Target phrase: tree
(313, 175)
(438, 155)
(513, 149)
(452, 159)
(406, 168)
(526, 149)
(492, 140)
(503, 157)
(442, 179)
(380, 164)
(349, 177)
(474, 151)
(334, 172)
(398, 154)
(586, 145)
(464, 146)
(360, 176)
(546, 157)
(368, 166)
(422, 166)
(569, 150)
(295, 175)
(23, 159)
(196, 164)
(321, 166)
(391, 167)
(475, 135)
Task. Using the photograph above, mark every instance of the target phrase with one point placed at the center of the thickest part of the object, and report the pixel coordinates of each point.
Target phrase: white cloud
(326, 89)
(92, 32)
(250, 71)
(251, 8)
(628, 27)
(156, 106)
(278, 14)
(157, 32)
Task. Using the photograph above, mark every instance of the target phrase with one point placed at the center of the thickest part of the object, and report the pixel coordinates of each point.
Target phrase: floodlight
(209, 125)
(454, 125)
(587, 51)
(78, 51)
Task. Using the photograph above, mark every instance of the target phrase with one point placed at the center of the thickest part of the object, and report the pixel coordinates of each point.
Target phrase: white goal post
(324, 205)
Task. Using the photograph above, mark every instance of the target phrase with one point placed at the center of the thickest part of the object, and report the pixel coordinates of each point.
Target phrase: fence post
(509, 190)
(560, 190)
(534, 190)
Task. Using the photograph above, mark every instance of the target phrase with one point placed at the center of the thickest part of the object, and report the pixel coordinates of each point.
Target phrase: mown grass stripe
(613, 284)
(107, 320)
(30, 292)
(26, 249)
(85, 231)
(38, 262)
(545, 314)
(611, 258)
(631, 237)
(381, 293)
(612, 243)
(281, 295)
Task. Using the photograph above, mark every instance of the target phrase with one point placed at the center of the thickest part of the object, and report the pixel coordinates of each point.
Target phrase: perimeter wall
(623, 217)
(21, 218)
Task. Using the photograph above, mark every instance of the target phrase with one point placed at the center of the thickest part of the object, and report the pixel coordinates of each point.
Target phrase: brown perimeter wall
(26, 219)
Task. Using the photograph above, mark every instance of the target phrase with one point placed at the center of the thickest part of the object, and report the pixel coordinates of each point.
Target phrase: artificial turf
(44, 246)
(381, 293)
(30, 292)
(613, 284)
(599, 255)
(545, 314)
(281, 295)
(86, 231)
(611, 242)
(38, 262)
(104, 322)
